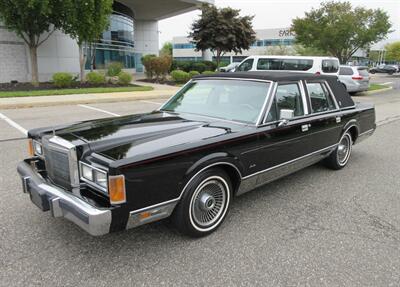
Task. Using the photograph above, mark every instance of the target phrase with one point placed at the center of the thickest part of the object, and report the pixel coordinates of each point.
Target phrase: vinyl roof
(271, 76)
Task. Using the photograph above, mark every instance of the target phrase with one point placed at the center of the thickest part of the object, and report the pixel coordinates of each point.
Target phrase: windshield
(234, 100)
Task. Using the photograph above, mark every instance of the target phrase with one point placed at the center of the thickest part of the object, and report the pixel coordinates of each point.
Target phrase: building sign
(286, 33)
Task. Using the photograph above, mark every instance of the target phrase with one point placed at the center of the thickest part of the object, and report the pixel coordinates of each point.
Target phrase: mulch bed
(50, 86)
(163, 82)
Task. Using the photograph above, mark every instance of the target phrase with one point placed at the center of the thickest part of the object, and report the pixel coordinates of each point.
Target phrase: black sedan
(219, 137)
(385, 69)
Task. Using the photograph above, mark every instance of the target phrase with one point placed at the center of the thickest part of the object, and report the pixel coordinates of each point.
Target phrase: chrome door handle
(304, 128)
(338, 119)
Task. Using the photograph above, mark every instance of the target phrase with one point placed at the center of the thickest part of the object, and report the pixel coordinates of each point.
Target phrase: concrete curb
(46, 101)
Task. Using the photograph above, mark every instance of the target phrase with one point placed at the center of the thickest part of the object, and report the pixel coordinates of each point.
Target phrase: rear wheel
(339, 158)
(204, 204)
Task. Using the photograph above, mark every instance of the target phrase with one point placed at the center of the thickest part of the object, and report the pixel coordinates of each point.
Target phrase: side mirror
(286, 114)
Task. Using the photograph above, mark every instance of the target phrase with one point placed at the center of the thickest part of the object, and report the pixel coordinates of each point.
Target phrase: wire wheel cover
(209, 202)
(344, 149)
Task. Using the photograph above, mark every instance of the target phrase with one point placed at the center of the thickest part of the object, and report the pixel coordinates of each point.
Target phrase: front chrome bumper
(62, 203)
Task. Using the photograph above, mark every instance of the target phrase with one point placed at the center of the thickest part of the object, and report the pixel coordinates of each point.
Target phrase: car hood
(146, 135)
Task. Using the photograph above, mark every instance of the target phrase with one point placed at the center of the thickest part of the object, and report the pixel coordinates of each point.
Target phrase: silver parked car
(354, 78)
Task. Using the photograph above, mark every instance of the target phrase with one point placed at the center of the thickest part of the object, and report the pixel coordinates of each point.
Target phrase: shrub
(208, 73)
(211, 66)
(62, 80)
(180, 76)
(199, 66)
(193, 73)
(124, 78)
(147, 62)
(157, 67)
(114, 69)
(95, 78)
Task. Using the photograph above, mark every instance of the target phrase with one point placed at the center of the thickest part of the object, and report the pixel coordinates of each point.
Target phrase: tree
(85, 21)
(308, 51)
(222, 31)
(340, 30)
(393, 51)
(34, 21)
(166, 49)
(279, 50)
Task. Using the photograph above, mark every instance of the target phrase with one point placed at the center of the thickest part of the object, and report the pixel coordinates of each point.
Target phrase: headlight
(93, 175)
(100, 178)
(37, 148)
(86, 172)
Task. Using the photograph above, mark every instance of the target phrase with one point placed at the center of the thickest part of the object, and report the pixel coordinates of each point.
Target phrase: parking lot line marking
(99, 110)
(150, 102)
(388, 83)
(13, 124)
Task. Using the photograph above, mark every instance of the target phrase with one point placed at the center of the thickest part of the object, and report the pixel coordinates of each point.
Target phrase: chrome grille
(58, 163)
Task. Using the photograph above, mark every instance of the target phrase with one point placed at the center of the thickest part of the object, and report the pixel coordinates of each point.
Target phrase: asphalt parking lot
(316, 227)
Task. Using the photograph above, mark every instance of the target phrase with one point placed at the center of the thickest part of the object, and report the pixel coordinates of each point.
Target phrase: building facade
(133, 32)
(184, 50)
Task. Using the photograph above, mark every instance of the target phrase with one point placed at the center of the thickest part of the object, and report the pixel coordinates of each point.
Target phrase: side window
(245, 66)
(320, 98)
(287, 103)
(330, 66)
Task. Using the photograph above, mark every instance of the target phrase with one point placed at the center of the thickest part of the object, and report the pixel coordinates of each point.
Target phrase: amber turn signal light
(116, 189)
(30, 148)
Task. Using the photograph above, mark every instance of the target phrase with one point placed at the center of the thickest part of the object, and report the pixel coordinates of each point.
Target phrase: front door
(284, 138)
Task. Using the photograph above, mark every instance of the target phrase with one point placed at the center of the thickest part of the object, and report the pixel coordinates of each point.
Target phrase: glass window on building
(117, 43)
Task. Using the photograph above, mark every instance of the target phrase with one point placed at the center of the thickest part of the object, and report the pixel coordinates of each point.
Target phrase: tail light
(318, 73)
(116, 189)
(357, 77)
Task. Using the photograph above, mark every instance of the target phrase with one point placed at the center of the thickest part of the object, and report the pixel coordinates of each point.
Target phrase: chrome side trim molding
(291, 161)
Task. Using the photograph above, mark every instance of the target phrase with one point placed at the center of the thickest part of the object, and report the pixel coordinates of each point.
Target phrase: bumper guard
(62, 203)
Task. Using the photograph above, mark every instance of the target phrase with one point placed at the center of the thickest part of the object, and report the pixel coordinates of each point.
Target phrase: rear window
(284, 64)
(363, 72)
(345, 71)
(330, 66)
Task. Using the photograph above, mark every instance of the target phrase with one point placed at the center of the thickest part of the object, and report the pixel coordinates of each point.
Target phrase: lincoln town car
(220, 136)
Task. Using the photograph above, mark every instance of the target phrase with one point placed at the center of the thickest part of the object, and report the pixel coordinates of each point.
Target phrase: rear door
(325, 122)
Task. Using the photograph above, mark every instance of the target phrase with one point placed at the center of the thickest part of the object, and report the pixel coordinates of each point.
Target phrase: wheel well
(233, 174)
(354, 133)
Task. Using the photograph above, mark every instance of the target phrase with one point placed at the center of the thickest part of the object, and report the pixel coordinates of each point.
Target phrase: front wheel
(204, 204)
(339, 158)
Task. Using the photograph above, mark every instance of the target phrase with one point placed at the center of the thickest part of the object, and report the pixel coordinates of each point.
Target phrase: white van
(305, 64)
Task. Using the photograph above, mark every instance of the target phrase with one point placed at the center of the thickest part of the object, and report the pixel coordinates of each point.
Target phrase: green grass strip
(60, 92)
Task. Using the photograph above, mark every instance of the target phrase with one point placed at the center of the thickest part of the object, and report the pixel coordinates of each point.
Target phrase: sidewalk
(159, 92)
